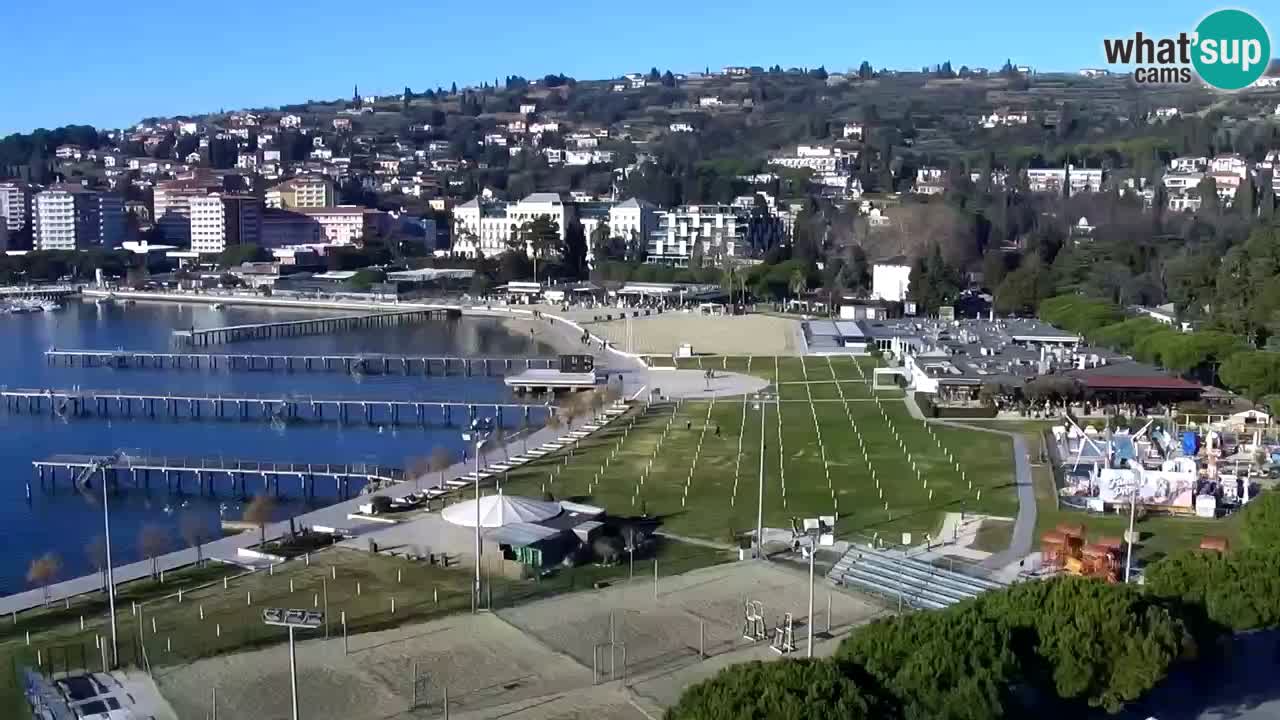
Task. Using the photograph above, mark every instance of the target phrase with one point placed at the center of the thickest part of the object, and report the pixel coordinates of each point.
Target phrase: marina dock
(109, 403)
(551, 380)
(370, 363)
(39, 292)
(294, 328)
(203, 474)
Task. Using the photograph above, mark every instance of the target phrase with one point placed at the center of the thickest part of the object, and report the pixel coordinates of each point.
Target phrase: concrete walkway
(1024, 525)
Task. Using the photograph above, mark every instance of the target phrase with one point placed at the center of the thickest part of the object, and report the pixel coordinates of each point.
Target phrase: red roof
(1149, 382)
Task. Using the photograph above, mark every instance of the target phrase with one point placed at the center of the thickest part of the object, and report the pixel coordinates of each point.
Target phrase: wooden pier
(351, 364)
(295, 328)
(204, 475)
(105, 403)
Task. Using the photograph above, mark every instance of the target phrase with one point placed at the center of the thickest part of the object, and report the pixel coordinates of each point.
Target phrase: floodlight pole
(1128, 554)
(813, 553)
(478, 439)
(111, 578)
(293, 674)
(760, 493)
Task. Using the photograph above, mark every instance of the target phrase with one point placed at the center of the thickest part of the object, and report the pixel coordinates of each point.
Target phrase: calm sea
(67, 522)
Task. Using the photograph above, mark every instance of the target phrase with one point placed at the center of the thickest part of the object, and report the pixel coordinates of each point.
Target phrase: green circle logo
(1232, 49)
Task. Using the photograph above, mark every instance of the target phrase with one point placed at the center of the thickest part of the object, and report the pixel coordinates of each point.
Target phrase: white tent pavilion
(500, 510)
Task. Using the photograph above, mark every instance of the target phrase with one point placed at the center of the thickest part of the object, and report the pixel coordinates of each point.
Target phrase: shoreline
(512, 316)
(563, 335)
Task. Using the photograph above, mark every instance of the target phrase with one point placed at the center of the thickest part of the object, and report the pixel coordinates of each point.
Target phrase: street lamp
(760, 400)
(293, 619)
(111, 578)
(478, 434)
(820, 532)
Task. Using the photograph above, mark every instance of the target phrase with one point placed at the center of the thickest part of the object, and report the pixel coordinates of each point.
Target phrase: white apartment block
(680, 127)
(1182, 181)
(1052, 179)
(291, 121)
(1004, 118)
(341, 225)
(721, 231)
(1233, 163)
(15, 205)
(853, 131)
(222, 221)
(890, 280)
(69, 217)
(632, 217)
(817, 158)
(482, 228)
(1188, 164)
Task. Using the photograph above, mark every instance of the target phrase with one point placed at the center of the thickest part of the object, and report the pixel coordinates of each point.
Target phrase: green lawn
(699, 484)
(993, 536)
(356, 583)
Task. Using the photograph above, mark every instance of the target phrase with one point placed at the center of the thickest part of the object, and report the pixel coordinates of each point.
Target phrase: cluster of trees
(54, 265)
(1211, 356)
(1059, 646)
(1239, 590)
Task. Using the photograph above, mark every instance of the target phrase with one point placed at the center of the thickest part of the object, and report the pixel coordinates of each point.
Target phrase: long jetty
(204, 473)
(371, 363)
(43, 292)
(293, 328)
(109, 403)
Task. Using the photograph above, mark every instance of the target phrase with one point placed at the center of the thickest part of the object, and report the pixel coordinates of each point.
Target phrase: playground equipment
(784, 637)
(754, 627)
(1065, 549)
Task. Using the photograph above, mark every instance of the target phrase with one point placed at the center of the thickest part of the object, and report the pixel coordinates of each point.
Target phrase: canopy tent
(500, 510)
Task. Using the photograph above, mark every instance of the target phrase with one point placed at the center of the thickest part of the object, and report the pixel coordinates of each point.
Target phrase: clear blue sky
(112, 63)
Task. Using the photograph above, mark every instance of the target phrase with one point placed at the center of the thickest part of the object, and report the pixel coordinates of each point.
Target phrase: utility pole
(111, 578)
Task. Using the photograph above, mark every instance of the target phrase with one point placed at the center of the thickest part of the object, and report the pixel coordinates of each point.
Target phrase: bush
(1239, 591)
(781, 690)
(1066, 641)
(925, 402)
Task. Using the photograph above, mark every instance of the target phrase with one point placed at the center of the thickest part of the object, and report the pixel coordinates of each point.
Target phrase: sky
(110, 64)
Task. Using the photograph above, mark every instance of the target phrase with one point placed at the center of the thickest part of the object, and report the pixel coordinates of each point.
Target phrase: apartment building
(483, 227)
(15, 205)
(1053, 179)
(70, 217)
(721, 230)
(814, 157)
(171, 204)
(222, 221)
(345, 224)
(304, 191)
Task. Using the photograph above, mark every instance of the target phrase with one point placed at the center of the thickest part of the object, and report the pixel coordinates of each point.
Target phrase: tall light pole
(1133, 511)
(111, 578)
(820, 532)
(761, 400)
(292, 619)
(477, 435)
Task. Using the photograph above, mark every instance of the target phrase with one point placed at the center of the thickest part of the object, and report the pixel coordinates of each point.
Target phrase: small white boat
(218, 306)
(125, 301)
(102, 300)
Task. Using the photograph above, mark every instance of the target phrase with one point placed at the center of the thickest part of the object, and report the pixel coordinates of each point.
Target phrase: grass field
(210, 620)
(696, 465)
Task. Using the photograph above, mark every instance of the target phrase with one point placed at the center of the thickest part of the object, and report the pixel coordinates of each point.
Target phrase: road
(1024, 525)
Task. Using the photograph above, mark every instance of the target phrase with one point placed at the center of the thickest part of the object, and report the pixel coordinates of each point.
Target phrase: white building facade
(73, 218)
